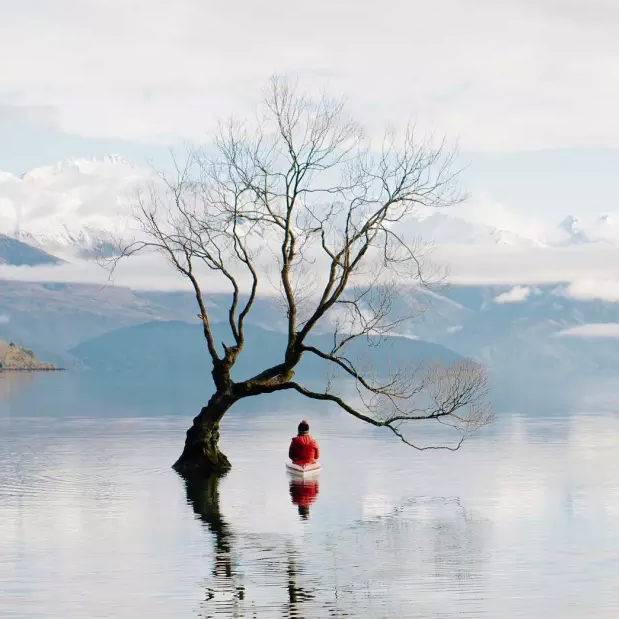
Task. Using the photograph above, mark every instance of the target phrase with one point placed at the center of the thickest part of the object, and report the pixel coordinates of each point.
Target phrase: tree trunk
(201, 455)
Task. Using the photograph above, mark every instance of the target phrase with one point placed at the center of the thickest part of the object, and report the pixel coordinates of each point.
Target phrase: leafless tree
(302, 188)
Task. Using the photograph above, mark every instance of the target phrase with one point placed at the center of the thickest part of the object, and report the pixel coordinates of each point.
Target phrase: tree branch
(304, 186)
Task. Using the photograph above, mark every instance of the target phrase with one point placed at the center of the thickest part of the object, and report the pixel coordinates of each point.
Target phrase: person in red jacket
(303, 448)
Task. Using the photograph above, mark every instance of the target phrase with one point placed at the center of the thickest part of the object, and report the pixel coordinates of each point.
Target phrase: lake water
(522, 522)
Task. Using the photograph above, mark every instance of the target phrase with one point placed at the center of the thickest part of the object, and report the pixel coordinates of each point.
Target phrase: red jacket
(303, 450)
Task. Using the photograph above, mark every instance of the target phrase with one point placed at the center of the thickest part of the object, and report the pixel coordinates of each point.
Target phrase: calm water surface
(93, 523)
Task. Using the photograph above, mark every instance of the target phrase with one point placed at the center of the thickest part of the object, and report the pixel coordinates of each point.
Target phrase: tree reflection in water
(420, 559)
(203, 496)
(228, 593)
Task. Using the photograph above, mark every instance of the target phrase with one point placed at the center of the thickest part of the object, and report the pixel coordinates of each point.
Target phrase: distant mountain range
(78, 207)
(536, 340)
(537, 348)
(175, 349)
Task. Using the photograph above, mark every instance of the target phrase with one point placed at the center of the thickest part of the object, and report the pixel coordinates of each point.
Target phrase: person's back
(303, 448)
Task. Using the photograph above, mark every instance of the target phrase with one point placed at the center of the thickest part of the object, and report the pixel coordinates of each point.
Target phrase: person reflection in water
(303, 493)
(303, 448)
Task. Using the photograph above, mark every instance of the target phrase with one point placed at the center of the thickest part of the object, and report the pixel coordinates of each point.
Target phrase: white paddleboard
(303, 471)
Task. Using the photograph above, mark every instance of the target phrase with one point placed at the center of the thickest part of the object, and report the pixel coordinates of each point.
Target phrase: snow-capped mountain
(80, 206)
(569, 232)
(573, 231)
(75, 206)
(447, 229)
(605, 228)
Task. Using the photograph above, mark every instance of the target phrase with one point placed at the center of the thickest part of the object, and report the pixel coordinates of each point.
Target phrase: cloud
(592, 289)
(504, 264)
(515, 295)
(609, 329)
(141, 272)
(146, 69)
(15, 113)
(91, 195)
(584, 272)
(482, 210)
(49, 204)
(4, 319)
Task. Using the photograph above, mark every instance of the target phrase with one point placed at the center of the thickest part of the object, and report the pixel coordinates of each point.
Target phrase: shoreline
(32, 370)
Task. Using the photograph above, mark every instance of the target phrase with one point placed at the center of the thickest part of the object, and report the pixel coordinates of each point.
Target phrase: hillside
(18, 253)
(176, 350)
(515, 331)
(54, 317)
(15, 358)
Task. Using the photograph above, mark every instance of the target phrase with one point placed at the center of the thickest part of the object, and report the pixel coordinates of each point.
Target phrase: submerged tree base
(202, 464)
(201, 455)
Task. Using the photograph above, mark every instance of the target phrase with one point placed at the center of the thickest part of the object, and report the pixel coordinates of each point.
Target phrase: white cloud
(584, 272)
(504, 264)
(154, 69)
(609, 329)
(408, 336)
(69, 197)
(515, 295)
(147, 271)
(4, 319)
(591, 289)
(140, 272)
(82, 196)
(482, 210)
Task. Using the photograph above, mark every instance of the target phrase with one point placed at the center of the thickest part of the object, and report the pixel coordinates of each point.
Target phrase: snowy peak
(446, 229)
(107, 166)
(569, 225)
(571, 231)
(80, 205)
(606, 228)
(74, 206)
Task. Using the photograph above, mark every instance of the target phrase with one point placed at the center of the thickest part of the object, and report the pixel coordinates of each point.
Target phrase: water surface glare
(93, 523)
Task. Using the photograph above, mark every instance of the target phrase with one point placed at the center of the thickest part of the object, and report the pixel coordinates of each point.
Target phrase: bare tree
(303, 189)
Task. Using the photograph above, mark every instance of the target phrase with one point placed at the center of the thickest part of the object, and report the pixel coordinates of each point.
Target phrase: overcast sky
(500, 76)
